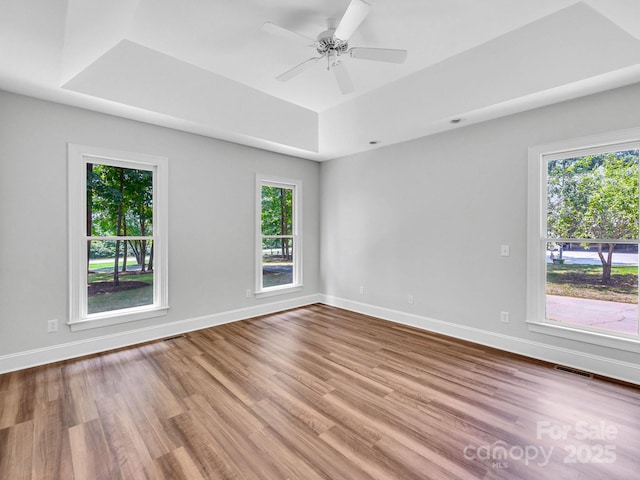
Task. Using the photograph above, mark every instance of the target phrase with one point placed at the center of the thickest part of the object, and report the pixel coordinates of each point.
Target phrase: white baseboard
(628, 372)
(608, 367)
(65, 351)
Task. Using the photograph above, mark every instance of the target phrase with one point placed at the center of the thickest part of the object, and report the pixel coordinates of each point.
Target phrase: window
(118, 247)
(279, 245)
(583, 239)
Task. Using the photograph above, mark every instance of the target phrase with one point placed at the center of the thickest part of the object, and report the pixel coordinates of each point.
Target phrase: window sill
(106, 320)
(272, 292)
(603, 339)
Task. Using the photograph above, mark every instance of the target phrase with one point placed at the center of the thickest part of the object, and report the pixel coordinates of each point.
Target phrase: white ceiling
(206, 66)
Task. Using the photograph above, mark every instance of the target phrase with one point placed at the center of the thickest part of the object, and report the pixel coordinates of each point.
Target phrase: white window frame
(78, 158)
(537, 236)
(296, 187)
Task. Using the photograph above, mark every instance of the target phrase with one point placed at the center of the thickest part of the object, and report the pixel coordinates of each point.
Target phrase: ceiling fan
(333, 44)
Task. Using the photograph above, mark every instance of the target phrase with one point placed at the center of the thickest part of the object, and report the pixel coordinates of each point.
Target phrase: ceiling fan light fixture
(328, 43)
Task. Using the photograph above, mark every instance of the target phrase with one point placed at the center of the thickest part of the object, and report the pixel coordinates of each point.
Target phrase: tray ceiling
(208, 67)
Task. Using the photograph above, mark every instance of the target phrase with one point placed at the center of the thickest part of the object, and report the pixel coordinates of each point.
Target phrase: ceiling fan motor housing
(327, 42)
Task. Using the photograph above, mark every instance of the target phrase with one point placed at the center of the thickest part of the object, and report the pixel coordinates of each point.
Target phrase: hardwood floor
(314, 393)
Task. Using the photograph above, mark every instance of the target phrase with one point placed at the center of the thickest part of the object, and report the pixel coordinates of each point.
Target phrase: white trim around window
(295, 236)
(537, 236)
(78, 158)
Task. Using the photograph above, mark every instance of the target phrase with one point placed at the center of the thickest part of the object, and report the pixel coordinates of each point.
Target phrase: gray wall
(423, 218)
(427, 218)
(211, 217)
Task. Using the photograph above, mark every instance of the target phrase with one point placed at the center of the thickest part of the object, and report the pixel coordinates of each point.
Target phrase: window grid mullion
(121, 238)
(632, 241)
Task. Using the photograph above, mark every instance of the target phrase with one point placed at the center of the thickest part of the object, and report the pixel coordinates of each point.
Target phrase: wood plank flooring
(314, 393)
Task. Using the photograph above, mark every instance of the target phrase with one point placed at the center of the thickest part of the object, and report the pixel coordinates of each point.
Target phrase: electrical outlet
(410, 299)
(52, 325)
(505, 251)
(248, 293)
(504, 317)
(361, 290)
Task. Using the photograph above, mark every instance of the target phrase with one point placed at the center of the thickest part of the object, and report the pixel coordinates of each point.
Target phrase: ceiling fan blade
(356, 12)
(286, 33)
(391, 55)
(342, 77)
(298, 69)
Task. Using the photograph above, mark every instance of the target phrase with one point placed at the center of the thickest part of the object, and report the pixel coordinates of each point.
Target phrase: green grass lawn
(123, 298)
(585, 281)
(108, 263)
